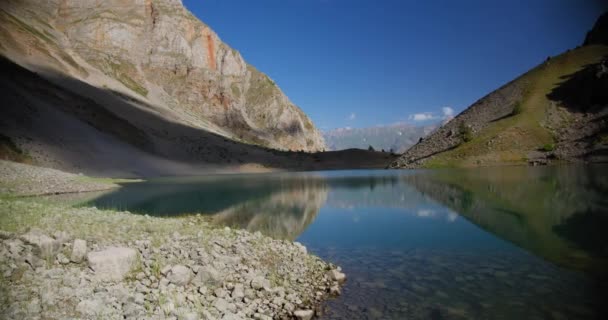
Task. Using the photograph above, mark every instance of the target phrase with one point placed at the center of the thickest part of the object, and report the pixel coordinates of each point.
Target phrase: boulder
(180, 275)
(79, 251)
(90, 307)
(207, 275)
(47, 246)
(336, 275)
(259, 283)
(112, 264)
(303, 314)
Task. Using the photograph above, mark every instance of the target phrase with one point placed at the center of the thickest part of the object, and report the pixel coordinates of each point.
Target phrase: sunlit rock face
(156, 50)
(281, 215)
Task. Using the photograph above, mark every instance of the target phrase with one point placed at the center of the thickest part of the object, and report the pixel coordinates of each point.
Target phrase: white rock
(336, 275)
(112, 264)
(259, 283)
(79, 250)
(303, 314)
(238, 292)
(189, 316)
(180, 275)
(90, 307)
(207, 275)
(48, 246)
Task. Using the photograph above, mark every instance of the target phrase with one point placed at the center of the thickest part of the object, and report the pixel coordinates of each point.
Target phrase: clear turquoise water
(500, 243)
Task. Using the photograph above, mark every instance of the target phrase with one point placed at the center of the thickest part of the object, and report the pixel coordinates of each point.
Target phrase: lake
(495, 243)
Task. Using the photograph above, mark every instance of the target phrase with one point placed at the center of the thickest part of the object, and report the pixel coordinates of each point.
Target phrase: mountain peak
(158, 52)
(599, 33)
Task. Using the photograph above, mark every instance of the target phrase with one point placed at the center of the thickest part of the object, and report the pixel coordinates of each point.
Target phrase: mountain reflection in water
(424, 243)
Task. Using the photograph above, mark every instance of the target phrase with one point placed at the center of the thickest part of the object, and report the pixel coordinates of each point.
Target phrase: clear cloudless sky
(363, 63)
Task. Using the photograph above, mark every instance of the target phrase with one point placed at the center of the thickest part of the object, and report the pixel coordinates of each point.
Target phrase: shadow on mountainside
(585, 90)
(74, 126)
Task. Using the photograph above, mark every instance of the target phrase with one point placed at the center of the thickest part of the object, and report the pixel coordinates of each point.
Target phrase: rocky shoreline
(60, 262)
(18, 179)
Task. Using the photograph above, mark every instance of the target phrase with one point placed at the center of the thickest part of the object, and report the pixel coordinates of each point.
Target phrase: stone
(238, 292)
(336, 275)
(189, 316)
(207, 275)
(335, 290)
(180, 275)
(303, 314)
(47, 246)
(259, 283)
(221, 305)
(164, 271)
(61, 236)
(90, 307)
(79, 251)
(112, 264)
(62, 258)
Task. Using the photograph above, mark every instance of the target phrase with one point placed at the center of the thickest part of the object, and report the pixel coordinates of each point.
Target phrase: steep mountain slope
(64, 123)
(154, 56)
(397, 137)
(558, 110)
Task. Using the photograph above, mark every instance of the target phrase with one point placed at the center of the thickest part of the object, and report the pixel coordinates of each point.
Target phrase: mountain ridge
(396, 137)
(555, 111)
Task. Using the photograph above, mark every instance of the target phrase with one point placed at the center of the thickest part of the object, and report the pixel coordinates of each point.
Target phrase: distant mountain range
(397, 137)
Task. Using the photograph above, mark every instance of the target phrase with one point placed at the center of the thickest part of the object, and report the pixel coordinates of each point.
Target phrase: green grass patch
(548, 147)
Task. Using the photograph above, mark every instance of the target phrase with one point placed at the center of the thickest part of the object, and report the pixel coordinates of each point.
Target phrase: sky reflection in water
(446, 244)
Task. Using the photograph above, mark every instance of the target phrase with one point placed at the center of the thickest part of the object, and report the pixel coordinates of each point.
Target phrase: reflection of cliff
(282, 215)
(526, 206)
(281, 206)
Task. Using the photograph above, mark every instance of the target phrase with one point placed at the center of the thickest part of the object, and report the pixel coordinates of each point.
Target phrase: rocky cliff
(156, 52)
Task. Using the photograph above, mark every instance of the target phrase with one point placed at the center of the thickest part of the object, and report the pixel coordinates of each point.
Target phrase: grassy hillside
(526, 123)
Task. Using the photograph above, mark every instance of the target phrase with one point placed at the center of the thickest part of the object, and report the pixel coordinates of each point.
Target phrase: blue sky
(363, 63)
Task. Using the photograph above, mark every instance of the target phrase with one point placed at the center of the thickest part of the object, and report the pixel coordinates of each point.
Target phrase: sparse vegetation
(513, 137)
(466, 132)
(10, 151)
(548, 147)
(517, 109)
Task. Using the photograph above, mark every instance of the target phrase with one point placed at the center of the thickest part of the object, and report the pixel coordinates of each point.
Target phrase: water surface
(499, 243)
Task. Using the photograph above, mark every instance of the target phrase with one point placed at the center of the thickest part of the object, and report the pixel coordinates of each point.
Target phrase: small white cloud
(422, 116)
(424, 213)
(447, 112)
(399, 132)
(452, 216)
(352, 116)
